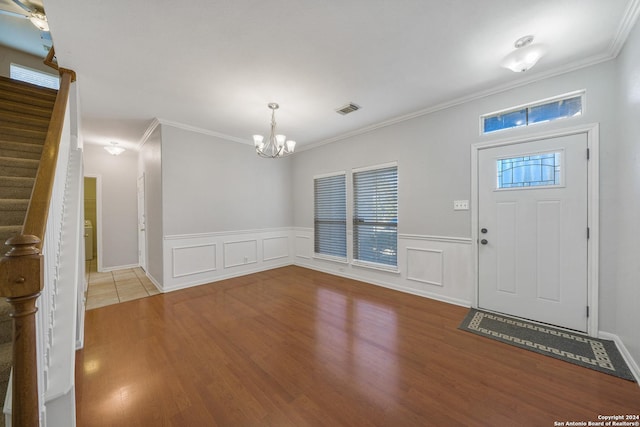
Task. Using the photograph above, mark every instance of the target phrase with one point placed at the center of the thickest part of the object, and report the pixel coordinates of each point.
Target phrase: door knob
(484, 241)
(484, 231)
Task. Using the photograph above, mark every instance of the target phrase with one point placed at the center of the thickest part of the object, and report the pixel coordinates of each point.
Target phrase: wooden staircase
(25, 112)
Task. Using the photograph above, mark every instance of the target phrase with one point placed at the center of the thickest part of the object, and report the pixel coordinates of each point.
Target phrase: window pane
(529, 171)
(375, 222)
(330, 216)
(556, 110)
(35, 77)
(510, 119)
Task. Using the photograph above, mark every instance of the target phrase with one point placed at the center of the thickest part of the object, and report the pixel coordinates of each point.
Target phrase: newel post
(21, 282)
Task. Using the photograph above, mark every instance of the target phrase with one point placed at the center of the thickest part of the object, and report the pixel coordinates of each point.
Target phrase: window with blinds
(330, 216)
(28, 75)
(375, 216)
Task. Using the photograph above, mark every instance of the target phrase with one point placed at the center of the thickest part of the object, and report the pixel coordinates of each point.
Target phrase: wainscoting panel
(240, 253)
(303, 246)
(275, 248)
(194, 259)
(437, 267)
(425, 265)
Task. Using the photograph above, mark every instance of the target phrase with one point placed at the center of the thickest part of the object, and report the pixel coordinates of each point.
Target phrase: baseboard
(118, 267)
(441, 298)
(223, 277)
(633, 366)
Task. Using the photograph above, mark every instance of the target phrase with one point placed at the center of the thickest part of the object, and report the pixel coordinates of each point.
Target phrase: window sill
(330, 258)
(374, 266)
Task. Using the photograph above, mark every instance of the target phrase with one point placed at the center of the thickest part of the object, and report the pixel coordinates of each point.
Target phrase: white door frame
(142, 211)
(593, 172)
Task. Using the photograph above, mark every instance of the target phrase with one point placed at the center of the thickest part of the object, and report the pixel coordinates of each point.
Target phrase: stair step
(32, 110)
(20, 150)
(25, 98)
(6, 232)
(15, 187)
(10, 130)
(13, 211)
(15, 119)
(7, 84)
(18, 167)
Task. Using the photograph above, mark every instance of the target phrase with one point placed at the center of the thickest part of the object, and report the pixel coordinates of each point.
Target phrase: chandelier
(276, 145)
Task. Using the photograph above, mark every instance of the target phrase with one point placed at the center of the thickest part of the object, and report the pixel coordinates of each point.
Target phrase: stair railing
(22, 270)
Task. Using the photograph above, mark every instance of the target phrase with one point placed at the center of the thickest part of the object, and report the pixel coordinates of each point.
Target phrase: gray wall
(213, 185)
(150, 163)
(119, 246)
(8, 55)
(434, 161)
(627, 200)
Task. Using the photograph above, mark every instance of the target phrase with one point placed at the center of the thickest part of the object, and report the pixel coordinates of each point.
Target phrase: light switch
(460, 205)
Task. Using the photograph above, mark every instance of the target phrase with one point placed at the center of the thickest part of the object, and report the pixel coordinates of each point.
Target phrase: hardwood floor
(294, 347)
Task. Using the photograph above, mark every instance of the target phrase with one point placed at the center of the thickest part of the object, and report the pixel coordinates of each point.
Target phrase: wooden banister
(36, 220)
(22, 269)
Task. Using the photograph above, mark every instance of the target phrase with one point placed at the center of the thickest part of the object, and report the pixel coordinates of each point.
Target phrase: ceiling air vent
(349, 108)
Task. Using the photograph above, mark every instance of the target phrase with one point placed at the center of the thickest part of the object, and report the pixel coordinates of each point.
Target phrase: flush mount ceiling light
(114, 149)
(276, 145)
(525, 56)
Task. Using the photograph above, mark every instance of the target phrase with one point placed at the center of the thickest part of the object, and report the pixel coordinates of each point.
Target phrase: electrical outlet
(460, 205)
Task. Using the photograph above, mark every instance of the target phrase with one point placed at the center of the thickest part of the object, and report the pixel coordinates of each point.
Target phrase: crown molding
(630, 17)
(147, 133)
(573, 66)
(629, 20)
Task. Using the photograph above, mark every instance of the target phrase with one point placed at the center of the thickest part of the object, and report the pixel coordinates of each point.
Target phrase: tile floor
(117, 286)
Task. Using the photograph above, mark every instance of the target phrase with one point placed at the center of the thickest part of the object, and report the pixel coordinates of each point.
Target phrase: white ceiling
(215, 65)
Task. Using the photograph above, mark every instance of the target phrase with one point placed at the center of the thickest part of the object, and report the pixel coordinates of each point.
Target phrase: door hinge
(587, 311)
(588, 232)
(588, 154)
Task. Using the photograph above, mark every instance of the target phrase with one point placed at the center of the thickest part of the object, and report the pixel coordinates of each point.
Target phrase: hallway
(113, 287)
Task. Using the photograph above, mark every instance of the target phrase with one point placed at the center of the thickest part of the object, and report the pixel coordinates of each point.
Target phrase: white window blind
(375, 216)
(28, 75)
(330, 216)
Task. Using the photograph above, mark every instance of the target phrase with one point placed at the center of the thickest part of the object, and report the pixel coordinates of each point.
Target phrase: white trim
(203, 131)
(324, 257)
(370, 281)
(448, 239)
(232, 242)
(577, 65)
(118, 267)
(376, 266)
(593, 173)
(624, 352)
(226, 233)
(147, 133)
(629, 19)
(433, 251)
(264, 239)
(173, 259)
(374, 167)
(330, 174)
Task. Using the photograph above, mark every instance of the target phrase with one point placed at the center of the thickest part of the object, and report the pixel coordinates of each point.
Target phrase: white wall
(434, 163)
(150, 164)
(213, 185)
(119, 245)
(625, 252)
(225, 211)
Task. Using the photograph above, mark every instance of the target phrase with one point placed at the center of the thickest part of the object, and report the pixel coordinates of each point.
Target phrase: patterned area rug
(594, 353)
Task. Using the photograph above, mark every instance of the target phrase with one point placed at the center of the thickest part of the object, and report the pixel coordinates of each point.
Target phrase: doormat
(594, 353)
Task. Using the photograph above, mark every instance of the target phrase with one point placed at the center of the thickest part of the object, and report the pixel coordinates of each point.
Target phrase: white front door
(142, 233)
(532, 222)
